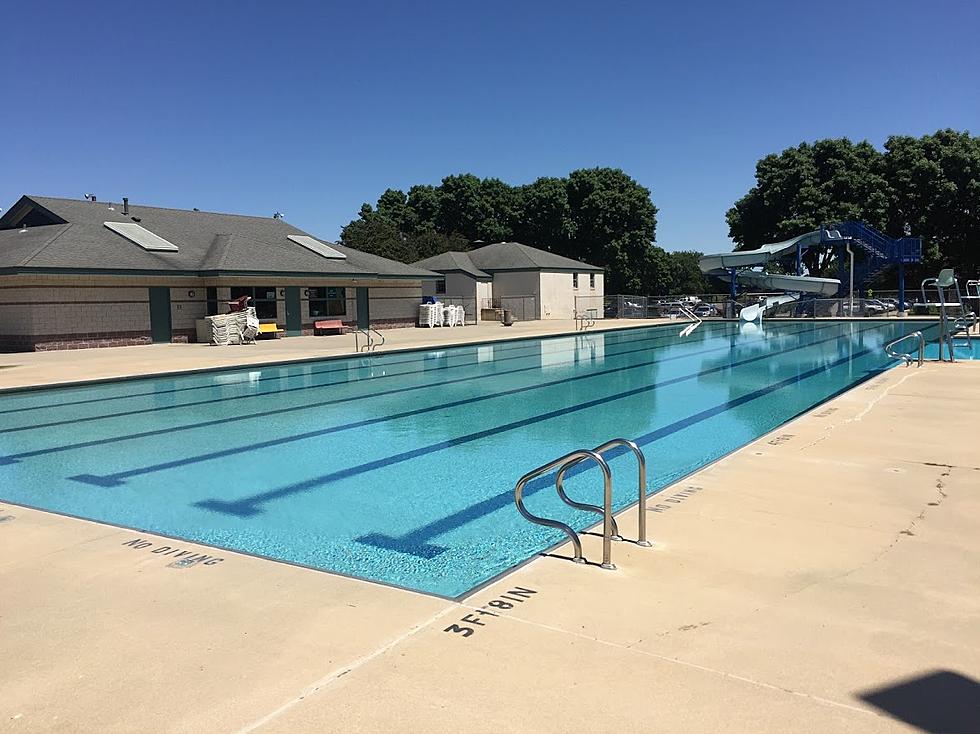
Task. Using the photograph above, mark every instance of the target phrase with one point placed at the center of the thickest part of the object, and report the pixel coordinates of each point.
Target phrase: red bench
(328, 325)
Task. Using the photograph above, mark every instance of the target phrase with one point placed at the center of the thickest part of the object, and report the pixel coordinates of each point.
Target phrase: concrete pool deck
(33, 369)
(823, 578)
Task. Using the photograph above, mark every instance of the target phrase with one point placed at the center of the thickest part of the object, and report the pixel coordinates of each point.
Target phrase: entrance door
(160, 326)
(363, 310)
(294, 321)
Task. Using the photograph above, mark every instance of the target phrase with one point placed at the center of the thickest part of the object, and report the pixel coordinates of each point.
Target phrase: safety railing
(610, 530)
(695, 323)
(584, 320)
(907, 357)
(370, 343)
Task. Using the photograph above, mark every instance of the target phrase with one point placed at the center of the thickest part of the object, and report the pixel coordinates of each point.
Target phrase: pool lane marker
(417, 542)
(14, 458)
(377, 360)
(117, 478)
(251, 505)
(667, 339)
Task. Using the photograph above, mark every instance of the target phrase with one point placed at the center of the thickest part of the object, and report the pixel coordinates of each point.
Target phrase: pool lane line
(378, 361)
(14, 458)
(249, 505)
(116, 479)
(319, 404)
(301, 388)
(416, 542)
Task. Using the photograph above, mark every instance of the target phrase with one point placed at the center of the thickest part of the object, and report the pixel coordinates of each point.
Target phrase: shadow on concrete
(939, 702)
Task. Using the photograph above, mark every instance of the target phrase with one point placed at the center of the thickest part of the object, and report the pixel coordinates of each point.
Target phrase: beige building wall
(68, 312)
(560, 298)
(507, 286)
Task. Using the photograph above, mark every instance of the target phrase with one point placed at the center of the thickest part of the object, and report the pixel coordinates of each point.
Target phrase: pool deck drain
(812, 581)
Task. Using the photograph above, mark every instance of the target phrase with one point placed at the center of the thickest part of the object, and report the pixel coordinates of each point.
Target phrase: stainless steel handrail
(584, 321)
(691, 315)
(641, 488)
(607, 532)
(370, 346)
(907, 357)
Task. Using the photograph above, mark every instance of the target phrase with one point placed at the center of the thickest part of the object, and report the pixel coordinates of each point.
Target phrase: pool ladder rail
(695, 321)
(370, 342)
(610, 530)
(907, 357)
(584, 320)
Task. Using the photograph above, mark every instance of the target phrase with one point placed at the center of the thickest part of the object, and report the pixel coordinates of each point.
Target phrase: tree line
(597, 215)
(926, 187)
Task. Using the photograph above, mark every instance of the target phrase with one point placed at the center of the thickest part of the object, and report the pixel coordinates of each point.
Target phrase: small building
(534, 283)
(90, 273)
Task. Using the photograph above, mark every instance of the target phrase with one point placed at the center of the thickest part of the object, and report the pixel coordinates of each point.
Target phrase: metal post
(732, 289)
(851, 296)
(799, 258)
(901, 289)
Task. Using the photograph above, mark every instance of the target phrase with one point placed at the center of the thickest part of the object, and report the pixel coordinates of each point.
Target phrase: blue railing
(880, 246)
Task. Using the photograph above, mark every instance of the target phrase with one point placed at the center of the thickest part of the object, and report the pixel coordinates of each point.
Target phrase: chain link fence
(714, 305)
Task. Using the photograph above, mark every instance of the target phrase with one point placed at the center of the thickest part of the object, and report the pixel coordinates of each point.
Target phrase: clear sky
(313, 108)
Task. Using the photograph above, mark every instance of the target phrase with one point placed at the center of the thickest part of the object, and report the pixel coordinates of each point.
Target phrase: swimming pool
(400, 467)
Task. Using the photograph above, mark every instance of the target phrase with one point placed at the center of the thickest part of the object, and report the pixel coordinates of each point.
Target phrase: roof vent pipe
(125, 205)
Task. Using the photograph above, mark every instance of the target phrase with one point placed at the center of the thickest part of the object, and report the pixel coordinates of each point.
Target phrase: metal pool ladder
(695, 321)
(907, 357)
(610, 531)
(371, 343)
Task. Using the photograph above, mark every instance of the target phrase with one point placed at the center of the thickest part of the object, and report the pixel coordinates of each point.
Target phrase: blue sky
(313, 108)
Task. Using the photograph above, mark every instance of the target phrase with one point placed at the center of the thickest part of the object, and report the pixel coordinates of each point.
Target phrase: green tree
(614, 225)
(545, 221)
(377, 235)
(686, 275)
(801, 188)
(429, 243)
(935, 194)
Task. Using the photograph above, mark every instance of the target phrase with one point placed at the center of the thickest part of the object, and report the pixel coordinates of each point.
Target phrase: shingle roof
(208, 242)
(515, 256)
(451, 262)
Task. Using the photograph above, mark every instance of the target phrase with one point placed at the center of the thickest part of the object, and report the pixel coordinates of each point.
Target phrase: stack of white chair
(455, 316)
(251, 326)
(219, 328)
(430, 314)
(238, 327)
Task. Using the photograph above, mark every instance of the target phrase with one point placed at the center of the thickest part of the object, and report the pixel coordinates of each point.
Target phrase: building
(91, 273)
(535, 283)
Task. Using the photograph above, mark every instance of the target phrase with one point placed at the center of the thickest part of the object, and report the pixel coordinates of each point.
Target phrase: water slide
(743, 260)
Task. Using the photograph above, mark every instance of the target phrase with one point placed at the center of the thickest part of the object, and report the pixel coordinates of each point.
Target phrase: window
(263, 298)
(592, 281)
(328, 302)
(575, 281)
(212, 298)
(440, 286)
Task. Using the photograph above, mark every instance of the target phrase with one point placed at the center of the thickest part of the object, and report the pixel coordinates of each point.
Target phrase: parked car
(705, 310)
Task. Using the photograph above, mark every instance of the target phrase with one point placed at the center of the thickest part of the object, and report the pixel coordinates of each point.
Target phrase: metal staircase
(881, 252)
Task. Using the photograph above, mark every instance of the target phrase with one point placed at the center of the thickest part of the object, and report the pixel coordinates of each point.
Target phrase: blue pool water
(400, 468)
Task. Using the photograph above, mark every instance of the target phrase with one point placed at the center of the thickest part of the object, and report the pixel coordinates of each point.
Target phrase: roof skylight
(142, 237)
(314, 245)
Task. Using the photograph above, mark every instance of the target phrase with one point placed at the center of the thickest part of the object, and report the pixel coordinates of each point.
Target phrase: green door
(160, 327)
(363, 310)
(294, 321)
